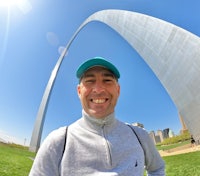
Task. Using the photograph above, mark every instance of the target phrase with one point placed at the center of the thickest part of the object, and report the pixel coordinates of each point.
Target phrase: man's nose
(98, 87)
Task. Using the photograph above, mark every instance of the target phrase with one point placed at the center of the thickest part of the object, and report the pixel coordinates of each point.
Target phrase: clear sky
(32, 35)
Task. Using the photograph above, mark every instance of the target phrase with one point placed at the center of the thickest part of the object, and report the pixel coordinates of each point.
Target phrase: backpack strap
(65, 140)
(135, 134)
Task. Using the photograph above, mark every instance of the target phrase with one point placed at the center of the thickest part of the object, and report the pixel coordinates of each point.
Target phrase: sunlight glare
(8, 3)
(23, 5)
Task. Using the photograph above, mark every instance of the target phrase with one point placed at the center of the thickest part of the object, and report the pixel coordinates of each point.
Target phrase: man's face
(98, 92)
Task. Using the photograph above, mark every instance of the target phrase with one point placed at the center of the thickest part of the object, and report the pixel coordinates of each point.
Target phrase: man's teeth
(98, 101)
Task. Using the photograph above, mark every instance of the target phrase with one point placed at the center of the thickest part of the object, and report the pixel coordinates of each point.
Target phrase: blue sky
(33, 33)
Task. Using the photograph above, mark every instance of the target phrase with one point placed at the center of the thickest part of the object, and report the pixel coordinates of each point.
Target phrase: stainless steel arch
(172, 53)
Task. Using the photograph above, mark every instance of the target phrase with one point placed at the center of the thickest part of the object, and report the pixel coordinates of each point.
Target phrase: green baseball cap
(96, 61)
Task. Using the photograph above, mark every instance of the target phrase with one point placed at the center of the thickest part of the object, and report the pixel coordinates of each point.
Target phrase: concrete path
(179, 150)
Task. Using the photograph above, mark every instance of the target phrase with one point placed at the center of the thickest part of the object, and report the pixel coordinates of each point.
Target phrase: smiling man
(98, 90)
(98, 144)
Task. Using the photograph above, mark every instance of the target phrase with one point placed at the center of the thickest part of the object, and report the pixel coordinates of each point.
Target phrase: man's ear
(118, 89)
(78, 90)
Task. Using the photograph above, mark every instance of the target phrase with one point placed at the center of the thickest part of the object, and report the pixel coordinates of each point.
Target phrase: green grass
(187, 164)
(14, 160)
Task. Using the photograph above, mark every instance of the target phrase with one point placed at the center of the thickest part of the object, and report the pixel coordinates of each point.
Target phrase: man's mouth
(99, 100)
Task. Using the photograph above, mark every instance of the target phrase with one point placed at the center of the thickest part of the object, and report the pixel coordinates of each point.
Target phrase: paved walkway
(179, 150)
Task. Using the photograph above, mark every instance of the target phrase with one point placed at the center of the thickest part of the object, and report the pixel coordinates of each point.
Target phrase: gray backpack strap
(135, 134)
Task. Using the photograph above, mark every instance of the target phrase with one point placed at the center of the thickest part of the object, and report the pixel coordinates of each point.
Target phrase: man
(98, 144)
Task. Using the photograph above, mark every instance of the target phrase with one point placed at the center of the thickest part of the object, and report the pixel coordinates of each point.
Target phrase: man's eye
(89, 81)
(108, 80)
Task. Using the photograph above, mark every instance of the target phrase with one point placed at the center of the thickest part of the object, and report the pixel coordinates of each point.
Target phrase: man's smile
(99, 100)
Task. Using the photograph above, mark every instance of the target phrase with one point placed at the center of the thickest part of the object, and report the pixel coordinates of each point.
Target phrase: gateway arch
(172, 53)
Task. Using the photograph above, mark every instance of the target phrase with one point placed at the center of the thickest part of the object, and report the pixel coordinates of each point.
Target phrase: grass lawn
(187, 164)
(15, 160)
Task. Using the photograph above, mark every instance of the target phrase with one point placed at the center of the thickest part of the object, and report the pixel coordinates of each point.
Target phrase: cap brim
(97, 61)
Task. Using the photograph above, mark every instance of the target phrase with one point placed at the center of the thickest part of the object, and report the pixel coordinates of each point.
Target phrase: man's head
(97, 61)
(98, 87)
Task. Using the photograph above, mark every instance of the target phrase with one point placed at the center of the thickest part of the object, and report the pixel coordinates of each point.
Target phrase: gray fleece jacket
(98, 147)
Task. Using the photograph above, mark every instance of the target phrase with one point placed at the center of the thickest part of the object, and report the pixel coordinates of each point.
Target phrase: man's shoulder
(142, 135)
(58, 131)
(139, 130)
(56, 135)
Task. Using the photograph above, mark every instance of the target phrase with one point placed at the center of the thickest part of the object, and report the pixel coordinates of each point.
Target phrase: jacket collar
(95, 124)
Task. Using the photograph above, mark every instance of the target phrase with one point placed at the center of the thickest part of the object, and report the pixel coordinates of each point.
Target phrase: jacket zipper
(108, 150)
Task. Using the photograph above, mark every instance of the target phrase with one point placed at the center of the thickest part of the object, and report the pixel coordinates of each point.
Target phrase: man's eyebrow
(91, 75)
(108, 75)
(86, 75)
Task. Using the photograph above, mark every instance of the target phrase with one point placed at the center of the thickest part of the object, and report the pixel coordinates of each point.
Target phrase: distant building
(152, 136)
(138, 124)
(166, 133)
(171, 133)
(157, 139)
(160, 134)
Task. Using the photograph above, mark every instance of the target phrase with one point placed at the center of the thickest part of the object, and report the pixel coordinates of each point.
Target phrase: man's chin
(97, 114)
